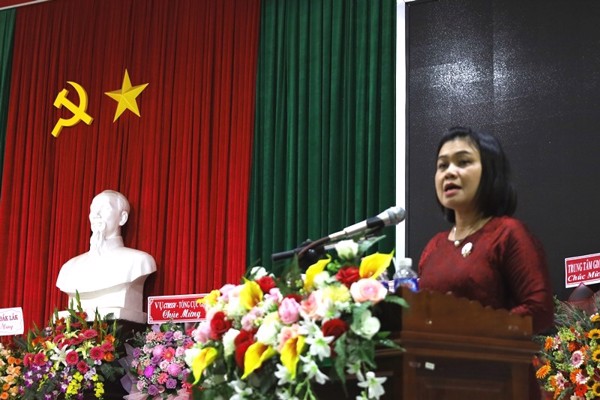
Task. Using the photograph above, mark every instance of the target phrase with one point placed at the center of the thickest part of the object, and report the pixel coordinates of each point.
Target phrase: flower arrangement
(276, 338)
(568, 366)
(158, 364)
(10, 373)
(70, 358)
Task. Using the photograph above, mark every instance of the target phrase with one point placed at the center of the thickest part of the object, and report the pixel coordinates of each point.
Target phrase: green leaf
(339, 362)
(367, 243)
(391, 298)
(389, 343)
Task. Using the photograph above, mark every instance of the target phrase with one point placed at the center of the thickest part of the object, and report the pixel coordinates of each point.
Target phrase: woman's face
(457, 176)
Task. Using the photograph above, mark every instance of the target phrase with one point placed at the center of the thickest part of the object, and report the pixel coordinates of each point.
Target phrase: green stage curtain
(7, 28)
(324, 147)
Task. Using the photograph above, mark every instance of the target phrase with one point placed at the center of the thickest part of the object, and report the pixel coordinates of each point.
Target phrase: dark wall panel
(529, 72)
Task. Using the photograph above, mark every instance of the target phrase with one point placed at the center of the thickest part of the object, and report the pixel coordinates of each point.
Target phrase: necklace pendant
(456, 243)
(467, 249)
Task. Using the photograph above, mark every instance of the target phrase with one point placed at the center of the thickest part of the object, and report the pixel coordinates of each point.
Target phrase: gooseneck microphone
(391, 216)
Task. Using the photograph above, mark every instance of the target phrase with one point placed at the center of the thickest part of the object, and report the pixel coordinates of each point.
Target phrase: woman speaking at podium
(487, 255)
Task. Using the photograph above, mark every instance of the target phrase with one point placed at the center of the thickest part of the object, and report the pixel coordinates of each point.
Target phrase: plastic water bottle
(405, 275)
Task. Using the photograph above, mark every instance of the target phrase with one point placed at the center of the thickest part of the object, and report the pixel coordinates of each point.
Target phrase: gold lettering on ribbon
(79, 111)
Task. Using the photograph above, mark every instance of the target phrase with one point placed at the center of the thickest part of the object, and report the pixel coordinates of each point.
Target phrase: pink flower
(287, 332)
(577, 358)
(368, 290)
(202, 333)
(96, 353)
(107, 347)
(72, 357)
(226, 289)
(28, 359)
(162, 378)
(310, 306)
(169, 353)
(174, 369)
(158, 350)
(289, 310)
(82, 367)
(89, 333)
(249, 319)
(141, 385)
(59, 339)
(39, 359)
(163, 364)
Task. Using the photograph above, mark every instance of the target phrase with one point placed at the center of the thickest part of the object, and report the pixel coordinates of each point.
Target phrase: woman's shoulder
(436, 240)
(510, 224)
(512, 228)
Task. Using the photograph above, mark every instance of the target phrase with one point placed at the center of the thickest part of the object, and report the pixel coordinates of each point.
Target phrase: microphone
(391, 216)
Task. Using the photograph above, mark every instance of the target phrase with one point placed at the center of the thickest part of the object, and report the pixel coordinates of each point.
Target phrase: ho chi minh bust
(109, 277)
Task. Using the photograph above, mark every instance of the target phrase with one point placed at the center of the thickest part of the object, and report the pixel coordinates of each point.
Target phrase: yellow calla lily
(210, 299)
(250, 295)
(372, 266)
(206, 357)
(313, 271)
(290, 354)
(256, 354)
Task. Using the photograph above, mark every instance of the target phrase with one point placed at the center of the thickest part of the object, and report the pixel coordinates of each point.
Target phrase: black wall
(529, 72)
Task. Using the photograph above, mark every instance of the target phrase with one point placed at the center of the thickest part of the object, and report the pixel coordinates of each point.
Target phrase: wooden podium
(454, 349)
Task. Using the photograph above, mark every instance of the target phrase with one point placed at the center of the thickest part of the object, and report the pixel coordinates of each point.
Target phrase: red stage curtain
(183, 164)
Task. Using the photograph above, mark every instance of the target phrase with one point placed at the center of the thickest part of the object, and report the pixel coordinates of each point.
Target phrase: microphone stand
(309, 252)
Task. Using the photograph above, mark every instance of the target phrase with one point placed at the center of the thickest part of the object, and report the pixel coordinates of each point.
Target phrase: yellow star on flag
(126, 97)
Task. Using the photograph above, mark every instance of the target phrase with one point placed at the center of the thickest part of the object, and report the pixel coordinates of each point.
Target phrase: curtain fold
(184, 163)
(7, 26)
(324, 144)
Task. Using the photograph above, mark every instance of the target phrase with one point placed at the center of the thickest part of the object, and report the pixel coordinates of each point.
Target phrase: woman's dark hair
(496, 195)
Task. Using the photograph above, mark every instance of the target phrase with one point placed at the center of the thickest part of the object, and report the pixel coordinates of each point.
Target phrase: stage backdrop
(184, 163)
(527, 71)
(324, 152)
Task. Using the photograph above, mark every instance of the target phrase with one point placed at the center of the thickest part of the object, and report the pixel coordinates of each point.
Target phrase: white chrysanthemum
(258, 272)
(367, 326)
(321, 280)
(346, 249)
(228, 341)
(269, 329)
(234, 308)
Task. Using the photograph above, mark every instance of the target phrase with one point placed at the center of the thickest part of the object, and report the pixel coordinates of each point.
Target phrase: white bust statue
(109, 277)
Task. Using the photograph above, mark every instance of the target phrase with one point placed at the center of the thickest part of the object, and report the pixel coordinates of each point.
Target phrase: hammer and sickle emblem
(79, 112)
